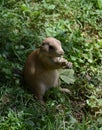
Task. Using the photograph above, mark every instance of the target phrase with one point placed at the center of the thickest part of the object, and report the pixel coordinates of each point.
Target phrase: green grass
(77, 24)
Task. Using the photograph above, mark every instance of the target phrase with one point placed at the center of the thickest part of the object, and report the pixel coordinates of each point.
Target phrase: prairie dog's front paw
(58, 59)
(69, 65)
(63, 62)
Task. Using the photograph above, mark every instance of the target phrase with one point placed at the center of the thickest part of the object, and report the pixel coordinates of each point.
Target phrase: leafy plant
(67, 76)
(99, 2)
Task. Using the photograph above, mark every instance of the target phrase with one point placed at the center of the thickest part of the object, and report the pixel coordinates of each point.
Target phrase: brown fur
(40, 71)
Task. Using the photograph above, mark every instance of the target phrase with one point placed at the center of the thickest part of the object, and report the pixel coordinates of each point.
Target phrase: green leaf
(30, 123)
(67, 75)
(99, 2)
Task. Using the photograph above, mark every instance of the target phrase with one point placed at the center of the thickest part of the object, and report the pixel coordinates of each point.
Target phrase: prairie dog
(40, 70)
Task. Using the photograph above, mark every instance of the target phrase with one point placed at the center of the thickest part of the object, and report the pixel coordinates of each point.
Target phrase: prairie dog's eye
(51, 48)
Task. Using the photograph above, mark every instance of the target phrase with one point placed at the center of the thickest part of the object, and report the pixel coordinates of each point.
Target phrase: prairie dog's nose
(61, 52)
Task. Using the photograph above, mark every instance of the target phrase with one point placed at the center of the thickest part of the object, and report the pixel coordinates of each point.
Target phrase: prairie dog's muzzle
(60, 52)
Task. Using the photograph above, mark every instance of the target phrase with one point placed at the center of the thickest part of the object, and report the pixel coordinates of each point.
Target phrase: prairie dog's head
(51, 47)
